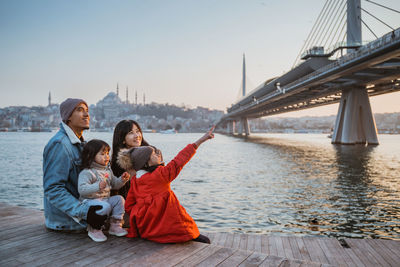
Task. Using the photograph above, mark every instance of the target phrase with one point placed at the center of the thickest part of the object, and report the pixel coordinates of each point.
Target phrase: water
(269, 183)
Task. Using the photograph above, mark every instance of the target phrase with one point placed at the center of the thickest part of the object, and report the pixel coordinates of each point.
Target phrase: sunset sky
(178, 52)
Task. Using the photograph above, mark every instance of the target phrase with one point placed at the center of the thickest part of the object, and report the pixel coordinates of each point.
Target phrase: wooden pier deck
(25, 241)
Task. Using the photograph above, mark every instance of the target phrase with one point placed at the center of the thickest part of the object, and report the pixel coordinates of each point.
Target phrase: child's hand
(208, 135)
(102, 184)
(125, 176)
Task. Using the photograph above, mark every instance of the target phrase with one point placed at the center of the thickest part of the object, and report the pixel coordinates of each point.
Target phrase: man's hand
(95, 220)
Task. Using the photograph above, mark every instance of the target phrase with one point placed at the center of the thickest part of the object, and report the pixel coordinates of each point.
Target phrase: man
(61, 166)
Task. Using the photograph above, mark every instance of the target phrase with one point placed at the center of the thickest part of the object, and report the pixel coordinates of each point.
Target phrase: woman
(127, 134)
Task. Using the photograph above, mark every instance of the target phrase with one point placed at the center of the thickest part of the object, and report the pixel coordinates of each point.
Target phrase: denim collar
(71, 135)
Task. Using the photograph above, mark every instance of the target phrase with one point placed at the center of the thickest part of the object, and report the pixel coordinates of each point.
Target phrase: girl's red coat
(155, 212)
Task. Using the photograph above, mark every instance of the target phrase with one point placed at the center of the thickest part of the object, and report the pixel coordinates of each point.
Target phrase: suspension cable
(317, 37)
(331, 19)
(369, 29)
(376, 18)
(311, 33)
(336, 25)
(394, 10)
(341, 23)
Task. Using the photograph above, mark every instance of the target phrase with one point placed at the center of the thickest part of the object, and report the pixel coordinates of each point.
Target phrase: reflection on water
(284, 184)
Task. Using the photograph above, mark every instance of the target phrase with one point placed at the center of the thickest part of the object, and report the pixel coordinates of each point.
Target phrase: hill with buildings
(107, 112)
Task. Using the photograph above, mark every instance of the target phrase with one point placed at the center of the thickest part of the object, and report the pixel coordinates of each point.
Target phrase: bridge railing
(362, 51)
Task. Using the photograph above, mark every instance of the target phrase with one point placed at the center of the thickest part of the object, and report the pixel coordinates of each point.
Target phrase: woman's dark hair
(90, 150)
(121, 130)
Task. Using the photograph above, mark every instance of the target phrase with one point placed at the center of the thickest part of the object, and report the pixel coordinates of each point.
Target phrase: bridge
(365, 70)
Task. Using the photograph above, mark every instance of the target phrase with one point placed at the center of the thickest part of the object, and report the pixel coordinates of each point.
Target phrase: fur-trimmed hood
(134, 158)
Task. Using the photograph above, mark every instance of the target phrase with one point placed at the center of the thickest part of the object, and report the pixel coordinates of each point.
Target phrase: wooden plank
(264, 244)
(113, 247)
(254, 259)
(22, 233)
(312, 264)
(170, 254)
(185, 250)
(43, 248)
(369, 252)
(391, 245)
(236, 241)
(364, 258)
(211, 236)
(250, 242)
(338, 252)
(314, 250)
(221, 240)
(295, 248)
(243, 241)
(272, 260)
(228, 241)
(279, 246)
(328, 252)
(303, 249)
(391, 258)
(287, 248)
(216, 258)
(273, 250)
(236, 258)
(141, 252)
(201, 255)
(74, 246)
(258, 243)
(217, 238)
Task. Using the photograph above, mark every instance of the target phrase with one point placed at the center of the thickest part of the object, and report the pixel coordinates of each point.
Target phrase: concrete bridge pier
(355, 122)
(244, 123)
(231, 127)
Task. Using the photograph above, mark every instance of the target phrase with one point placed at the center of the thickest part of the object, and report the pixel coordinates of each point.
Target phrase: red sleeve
(130, 200)
(173, 168)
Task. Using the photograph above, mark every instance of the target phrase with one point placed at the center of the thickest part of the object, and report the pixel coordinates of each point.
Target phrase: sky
(173, 51)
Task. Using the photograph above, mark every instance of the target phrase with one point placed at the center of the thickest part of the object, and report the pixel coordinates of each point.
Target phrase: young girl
(155, 212)
(94, 184)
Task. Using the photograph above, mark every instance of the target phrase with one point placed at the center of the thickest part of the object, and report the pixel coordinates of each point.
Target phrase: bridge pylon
(355, 122)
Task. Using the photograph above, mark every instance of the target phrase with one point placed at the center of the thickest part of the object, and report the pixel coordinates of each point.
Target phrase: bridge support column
(231, 127)
(355, 122)
(244, 123)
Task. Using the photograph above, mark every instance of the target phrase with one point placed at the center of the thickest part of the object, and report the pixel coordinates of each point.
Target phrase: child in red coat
(155, 212)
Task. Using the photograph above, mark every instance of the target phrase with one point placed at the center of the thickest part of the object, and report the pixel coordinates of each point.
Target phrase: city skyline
(177, 52)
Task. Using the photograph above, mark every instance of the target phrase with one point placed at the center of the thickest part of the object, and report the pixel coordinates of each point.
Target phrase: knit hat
(68, 106)
(134, 158)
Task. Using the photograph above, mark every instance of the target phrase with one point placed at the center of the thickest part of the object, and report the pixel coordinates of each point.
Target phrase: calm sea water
(269, 183)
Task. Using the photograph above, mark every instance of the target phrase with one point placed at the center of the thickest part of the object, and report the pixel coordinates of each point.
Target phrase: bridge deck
(25, 241)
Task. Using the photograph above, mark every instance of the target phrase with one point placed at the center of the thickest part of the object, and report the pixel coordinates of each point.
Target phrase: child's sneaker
(96, 235)
(116, 228)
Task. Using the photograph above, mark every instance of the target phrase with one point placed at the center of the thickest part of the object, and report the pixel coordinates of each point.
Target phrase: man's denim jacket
(61, 166)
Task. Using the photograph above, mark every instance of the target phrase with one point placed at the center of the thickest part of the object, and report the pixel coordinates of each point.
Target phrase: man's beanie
(140, 156)
(68, 106)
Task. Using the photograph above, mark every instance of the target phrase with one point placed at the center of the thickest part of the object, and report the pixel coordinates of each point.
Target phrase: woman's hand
(208, 135)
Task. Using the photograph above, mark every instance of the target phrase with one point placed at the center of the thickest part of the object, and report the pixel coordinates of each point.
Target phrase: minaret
(244, 77)
(144, 99)
(136, 97)
(117, 90)
(127, 95)
(49, 98)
